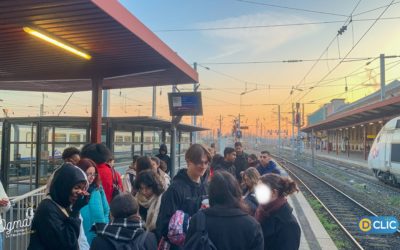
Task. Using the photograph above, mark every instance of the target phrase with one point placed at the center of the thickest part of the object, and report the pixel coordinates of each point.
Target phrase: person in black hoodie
(280, 228)
(126, 230)
(228, 163)
(56, 223)
(164, 157)
(228, 224)
(187, 190)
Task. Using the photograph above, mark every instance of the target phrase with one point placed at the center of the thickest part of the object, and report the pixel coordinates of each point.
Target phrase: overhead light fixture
(57, 43)
(371, 123)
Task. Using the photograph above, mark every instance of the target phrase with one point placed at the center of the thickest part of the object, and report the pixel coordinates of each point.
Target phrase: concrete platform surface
(313, 234)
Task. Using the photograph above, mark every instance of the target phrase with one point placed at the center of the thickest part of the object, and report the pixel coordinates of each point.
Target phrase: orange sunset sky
(241, 68)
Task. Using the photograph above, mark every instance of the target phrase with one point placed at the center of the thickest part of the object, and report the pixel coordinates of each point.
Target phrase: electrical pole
(293, 121)
(279, 129)
(382, 63)
(154, 103)
(312, 148)
(298, 118)
(194, 118)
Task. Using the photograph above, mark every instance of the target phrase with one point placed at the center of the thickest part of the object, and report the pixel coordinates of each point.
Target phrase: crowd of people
(213, 203)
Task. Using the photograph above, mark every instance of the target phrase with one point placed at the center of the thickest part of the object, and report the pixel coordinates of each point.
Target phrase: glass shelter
(31, 148)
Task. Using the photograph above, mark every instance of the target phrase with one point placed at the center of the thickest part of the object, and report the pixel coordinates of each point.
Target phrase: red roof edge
(119, 13)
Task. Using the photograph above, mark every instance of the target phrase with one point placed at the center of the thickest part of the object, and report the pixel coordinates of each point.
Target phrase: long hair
(224, 190)
(85, 164)
(253, 175)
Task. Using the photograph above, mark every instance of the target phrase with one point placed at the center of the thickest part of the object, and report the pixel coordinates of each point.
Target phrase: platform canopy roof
(123, 123)
(382, 110)
(123, 51)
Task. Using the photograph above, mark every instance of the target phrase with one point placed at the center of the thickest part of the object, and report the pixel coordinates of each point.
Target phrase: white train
(384, 157)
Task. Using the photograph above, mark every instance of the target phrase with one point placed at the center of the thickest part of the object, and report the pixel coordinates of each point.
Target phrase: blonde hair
(253, 175)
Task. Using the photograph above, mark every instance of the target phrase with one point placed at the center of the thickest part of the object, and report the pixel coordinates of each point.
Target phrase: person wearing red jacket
(100, 154)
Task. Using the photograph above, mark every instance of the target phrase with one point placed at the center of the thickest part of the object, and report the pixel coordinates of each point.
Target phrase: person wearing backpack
(185, 194)
(100, 154)
(226, 224)
(126, 230)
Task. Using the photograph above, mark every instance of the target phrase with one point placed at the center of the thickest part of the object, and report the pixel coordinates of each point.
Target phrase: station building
(349, 129)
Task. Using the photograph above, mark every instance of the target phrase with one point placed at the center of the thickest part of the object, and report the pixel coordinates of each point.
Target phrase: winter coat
(281, 230)
(164, 157)
(106, 177)
(97, 211)
(270, 168)
(251, 201)
(128, 181)
(241, 164)
(230, 228)
(227, 166)
(183, 194)
(122, 234)
(54, 226)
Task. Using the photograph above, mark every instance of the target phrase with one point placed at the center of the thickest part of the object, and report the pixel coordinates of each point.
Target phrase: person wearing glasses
(267, 165)
(97, 211)
(186, 192)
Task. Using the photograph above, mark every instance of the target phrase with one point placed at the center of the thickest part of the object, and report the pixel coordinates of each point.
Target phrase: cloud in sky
(254, 41)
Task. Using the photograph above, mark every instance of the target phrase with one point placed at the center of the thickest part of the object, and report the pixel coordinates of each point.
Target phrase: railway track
(346, 211)
(356, 173)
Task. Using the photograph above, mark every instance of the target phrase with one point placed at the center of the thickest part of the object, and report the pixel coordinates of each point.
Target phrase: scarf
(143, 201)
(152, 214)
(120, 228)
(264, 211)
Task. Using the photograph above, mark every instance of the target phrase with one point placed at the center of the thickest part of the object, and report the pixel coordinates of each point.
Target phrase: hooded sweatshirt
(53, 227)
(164, 157)
(123, 233)
(183, 194)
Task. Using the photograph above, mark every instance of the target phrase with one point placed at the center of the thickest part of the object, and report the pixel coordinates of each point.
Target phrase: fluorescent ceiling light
(53, 41)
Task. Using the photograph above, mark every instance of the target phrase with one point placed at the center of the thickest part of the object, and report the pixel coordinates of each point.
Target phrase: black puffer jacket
(54, 226)
(230, 228)
(183, 194)
(281, 230)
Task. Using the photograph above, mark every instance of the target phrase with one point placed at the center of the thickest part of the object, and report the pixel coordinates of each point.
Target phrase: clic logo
(379, 224)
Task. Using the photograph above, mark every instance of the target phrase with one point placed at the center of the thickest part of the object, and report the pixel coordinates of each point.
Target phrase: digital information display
(185, 103)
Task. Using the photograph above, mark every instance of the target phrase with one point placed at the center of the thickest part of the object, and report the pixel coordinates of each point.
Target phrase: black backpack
(200, 239)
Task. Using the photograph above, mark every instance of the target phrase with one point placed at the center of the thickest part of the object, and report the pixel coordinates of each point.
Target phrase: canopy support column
(97, 87)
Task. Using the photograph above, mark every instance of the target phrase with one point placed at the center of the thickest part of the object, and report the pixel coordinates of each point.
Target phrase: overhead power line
(292, 8)
(322, 54)
(289, 61)
(269, 25)
(352, 48)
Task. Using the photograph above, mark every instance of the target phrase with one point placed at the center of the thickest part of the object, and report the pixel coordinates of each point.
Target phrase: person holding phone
(56, 223)
(98, 210)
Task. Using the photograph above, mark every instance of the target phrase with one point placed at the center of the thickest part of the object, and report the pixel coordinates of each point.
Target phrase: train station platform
(355, 158)
(313, 234)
